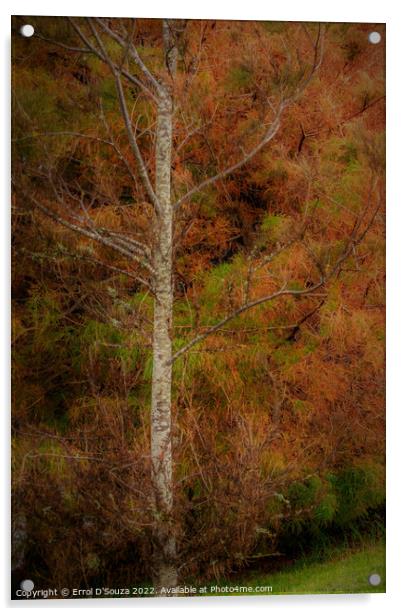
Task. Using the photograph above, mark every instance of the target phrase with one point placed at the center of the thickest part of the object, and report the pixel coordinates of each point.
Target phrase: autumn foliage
(279, 416)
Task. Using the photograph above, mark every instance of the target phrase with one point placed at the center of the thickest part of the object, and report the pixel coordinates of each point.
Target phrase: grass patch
(346, 573)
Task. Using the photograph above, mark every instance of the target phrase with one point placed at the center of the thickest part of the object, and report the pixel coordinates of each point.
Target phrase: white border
(288, 10)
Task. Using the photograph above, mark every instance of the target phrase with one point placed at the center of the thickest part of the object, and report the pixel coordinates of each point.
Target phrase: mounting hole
(27, 585)
(374, 579)
(374, 38)
(27, 30)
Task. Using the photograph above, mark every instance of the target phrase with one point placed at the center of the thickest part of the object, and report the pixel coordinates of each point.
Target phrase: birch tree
(153, 256)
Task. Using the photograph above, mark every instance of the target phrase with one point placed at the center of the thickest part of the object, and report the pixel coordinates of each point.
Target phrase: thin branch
(127, 121)
(134, 55)
(62, 45)
(296, 327)
(131, 244)
(79, 135)
(354, 239)
(270, 134)
(275, 253)
(129, 40)
(320, 129)
(63, 133)
(255, 267)
(134, 146)
(274, 127)
(367, 106)
(282, 292)
(92, 234)
(116, 147)
(90, 259)
(121, 70)
(317, 61)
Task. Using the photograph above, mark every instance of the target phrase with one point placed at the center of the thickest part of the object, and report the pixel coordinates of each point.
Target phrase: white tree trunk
(161, 448)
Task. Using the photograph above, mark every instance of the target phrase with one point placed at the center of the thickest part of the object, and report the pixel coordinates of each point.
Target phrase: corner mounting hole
(27, 585)
(374, 579)
(374, 37)
(27, 30)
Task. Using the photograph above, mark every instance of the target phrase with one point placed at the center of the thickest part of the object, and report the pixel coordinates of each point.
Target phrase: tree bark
(165, 567)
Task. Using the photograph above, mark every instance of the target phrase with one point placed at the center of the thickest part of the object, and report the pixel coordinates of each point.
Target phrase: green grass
(346, 573)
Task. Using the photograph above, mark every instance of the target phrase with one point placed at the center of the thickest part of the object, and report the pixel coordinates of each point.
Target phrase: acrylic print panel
(198, 308)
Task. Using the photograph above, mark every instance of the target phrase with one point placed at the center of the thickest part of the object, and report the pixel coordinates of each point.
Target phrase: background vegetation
(279, 419)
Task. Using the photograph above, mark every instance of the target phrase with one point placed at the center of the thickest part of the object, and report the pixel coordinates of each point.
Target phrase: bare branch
(318, 47)
(91, 48)
(134, 145)
(130, 242)
(255, 267)
(90, 259)
(125, 241)
(116, 147)
(274, 127)
(127, 121)
(354, 239)
(111, 142)
(92, 234)
(270, 134)
(283, 291)
(62, 45)
(61, 133)
(132, 51)
(129, 40)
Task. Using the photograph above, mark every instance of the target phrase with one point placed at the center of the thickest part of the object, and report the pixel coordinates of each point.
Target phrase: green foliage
(107, 91)
(148, 367)
(335, 501)
(274, 27)
(304, 494)
(272, 224)
(349, 153)
(215, 281)
(287, 355)
(239, 78)
(357, 489)
(326, 510)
